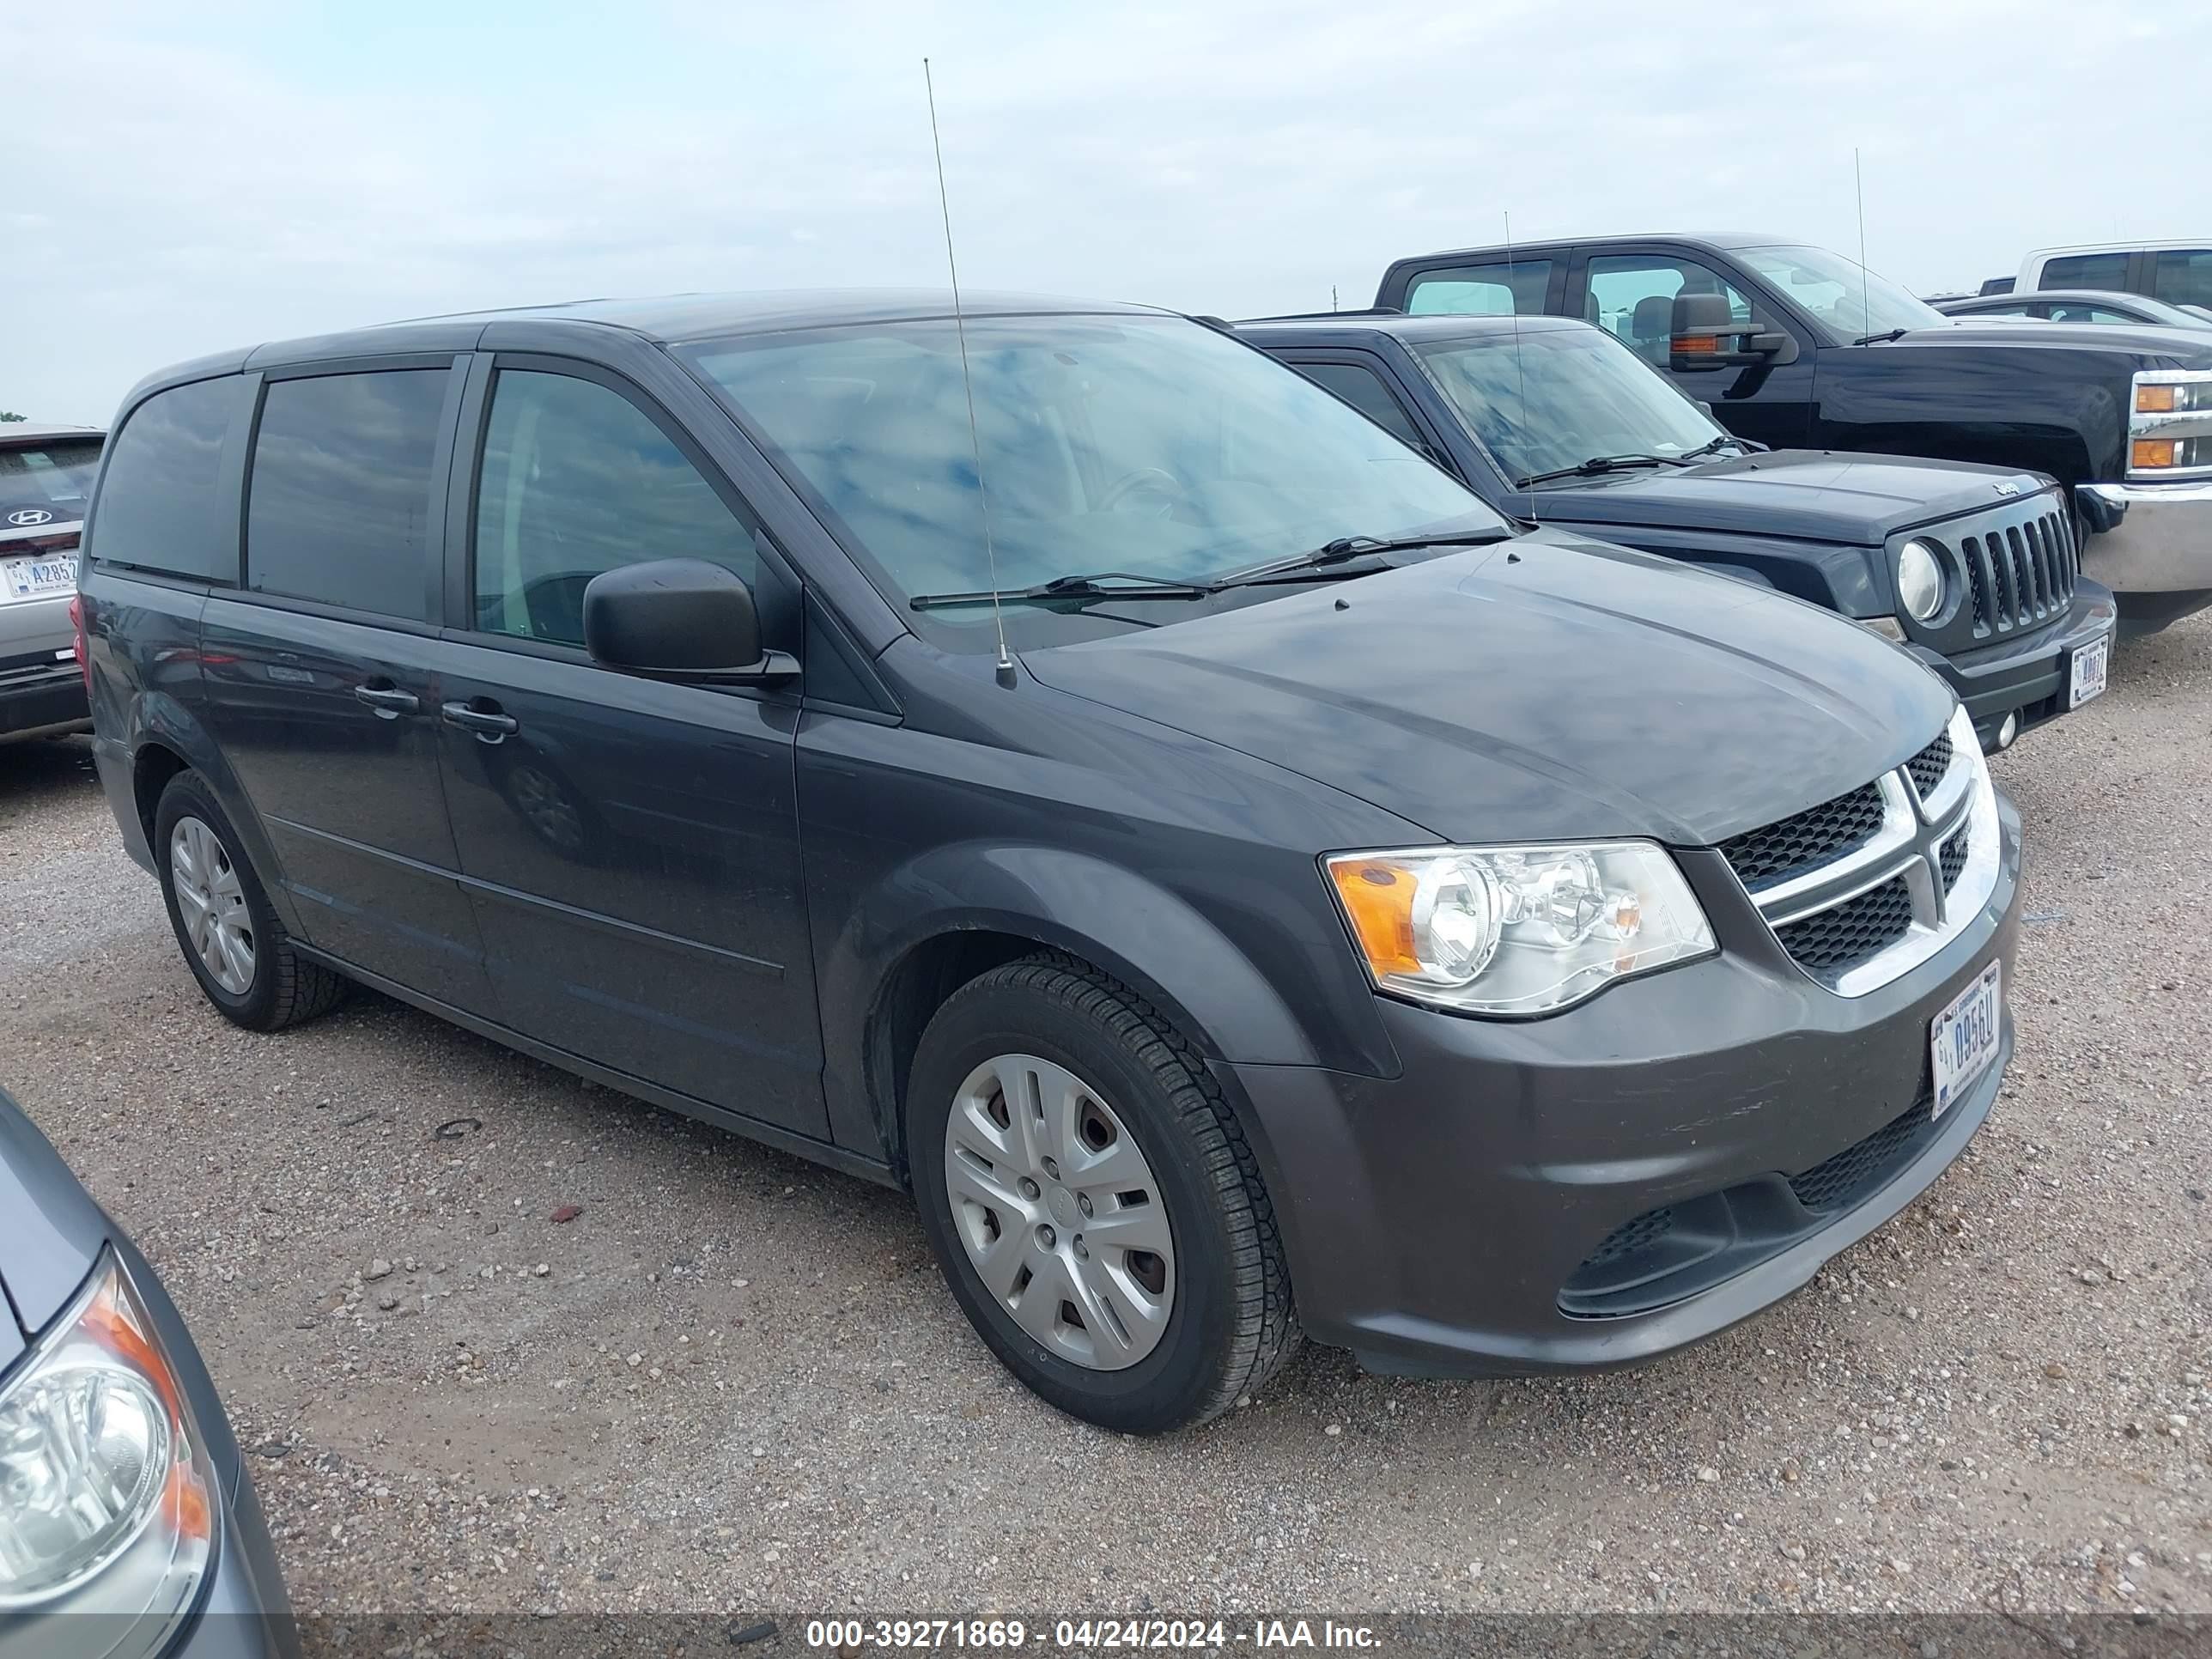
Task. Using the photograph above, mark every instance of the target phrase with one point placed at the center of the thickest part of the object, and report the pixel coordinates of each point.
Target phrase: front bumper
(2151, 543)
(2030, 677)
(1437, 1221)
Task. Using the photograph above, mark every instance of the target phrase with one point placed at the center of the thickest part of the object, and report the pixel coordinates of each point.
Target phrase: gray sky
(185, 179)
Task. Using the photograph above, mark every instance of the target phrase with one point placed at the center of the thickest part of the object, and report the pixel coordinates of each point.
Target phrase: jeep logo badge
(23, 517)
(2007, 487)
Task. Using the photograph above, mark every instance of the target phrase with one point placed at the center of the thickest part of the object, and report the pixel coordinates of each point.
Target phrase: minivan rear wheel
(1093, 1201)
(229, 934)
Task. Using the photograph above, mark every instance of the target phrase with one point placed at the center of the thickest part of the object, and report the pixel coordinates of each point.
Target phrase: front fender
(1112, 916)
(1837, 576)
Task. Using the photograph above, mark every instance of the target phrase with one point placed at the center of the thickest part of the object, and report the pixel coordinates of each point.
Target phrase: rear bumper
(2029, 677)
(1443, 1221)
(41, 697)
(2152, 545)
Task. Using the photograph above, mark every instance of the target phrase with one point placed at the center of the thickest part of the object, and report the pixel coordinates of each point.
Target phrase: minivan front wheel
(231, 937)
(1093, 1201)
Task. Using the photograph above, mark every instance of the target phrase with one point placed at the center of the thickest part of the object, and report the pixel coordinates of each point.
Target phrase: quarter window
(162, 507)
(2182, 277)
(1363, 390)
(338, 506)
(1631, 297)
(1498, 290)
(576, 481)
(2086, 270)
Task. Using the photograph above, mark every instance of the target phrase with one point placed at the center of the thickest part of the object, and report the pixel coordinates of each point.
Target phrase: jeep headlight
(2170, 422)
(105, 1493)
(1516, 930)
(1920, 581)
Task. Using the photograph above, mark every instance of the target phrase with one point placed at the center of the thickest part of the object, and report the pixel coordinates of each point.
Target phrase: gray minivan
(1239, 884)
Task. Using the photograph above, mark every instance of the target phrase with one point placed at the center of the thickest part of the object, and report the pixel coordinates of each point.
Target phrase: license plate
(34, 579)
(2089, 665)
(1964, 1039)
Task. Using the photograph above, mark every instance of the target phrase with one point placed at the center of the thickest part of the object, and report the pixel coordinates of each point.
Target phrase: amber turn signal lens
(1378, 899)
(1694, 345)
(2155, 400)
(2152, 451)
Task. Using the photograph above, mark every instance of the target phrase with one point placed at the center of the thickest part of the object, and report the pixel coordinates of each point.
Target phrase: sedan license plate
(2089, 665)
(37, 579)
(1964, 1039)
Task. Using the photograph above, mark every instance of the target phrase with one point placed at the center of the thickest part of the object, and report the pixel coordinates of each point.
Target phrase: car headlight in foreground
(107, 1497)
(1516, 930)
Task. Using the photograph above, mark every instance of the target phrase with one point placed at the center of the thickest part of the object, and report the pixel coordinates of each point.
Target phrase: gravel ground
(735, 1380)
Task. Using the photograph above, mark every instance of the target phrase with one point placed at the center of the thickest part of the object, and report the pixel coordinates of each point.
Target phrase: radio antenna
(1866, 295)
(1520, 368)
(967, 382)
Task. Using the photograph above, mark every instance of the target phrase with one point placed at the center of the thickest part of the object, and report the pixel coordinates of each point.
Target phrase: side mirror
(679, 619)
(1706, 335)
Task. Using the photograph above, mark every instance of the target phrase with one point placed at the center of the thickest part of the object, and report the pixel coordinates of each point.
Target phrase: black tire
(285, 988)
(1231, 1323)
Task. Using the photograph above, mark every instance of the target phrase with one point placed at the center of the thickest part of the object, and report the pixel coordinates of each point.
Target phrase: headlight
(1516, 930)
(106, 1492)
(2170, 427)
(1919, 581)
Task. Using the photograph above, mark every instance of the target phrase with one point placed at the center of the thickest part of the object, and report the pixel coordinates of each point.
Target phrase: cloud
(221, 177)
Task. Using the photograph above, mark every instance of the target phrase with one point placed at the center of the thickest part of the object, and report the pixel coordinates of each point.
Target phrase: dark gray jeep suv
(1237, 884)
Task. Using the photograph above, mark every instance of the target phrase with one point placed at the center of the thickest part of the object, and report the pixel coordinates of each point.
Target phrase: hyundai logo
(22, 517)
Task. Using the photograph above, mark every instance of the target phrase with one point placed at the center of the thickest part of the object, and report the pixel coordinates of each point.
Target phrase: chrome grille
(2021, 574)
(1856, 903)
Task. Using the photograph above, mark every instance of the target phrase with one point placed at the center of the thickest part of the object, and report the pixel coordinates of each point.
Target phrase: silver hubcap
(1059, 1212)
(212, 903)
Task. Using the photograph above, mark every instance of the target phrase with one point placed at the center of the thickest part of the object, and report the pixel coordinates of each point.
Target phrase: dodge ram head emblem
(26, 516)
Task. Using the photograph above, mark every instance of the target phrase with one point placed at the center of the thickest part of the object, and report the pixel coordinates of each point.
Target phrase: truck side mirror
(1707, 335)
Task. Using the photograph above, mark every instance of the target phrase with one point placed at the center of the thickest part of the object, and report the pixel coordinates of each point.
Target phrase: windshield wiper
(1346, 548)
(1597, 464)
(1882, 338)
(1713, 446)
(1127, 585)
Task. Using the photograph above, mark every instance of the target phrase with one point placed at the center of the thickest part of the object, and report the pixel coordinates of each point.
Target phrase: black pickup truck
(1553, 422)
(1798, 347)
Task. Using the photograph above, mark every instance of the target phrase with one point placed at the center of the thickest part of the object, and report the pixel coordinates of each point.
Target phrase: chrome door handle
(484, 722)
(388, 700)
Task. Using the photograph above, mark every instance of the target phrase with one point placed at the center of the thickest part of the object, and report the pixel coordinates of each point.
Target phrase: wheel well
(150, 774)
(916, 989)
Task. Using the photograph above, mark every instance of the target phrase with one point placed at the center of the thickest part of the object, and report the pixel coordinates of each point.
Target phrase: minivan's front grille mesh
(2019, 575)
(1853, 1173)
(1929, 766)
(1831, 940)
(1953, 859)
(1807, 840)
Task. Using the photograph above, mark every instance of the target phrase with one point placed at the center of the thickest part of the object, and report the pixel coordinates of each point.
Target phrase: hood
(2184, 347)
(1544, 689)
(50, 1232)
(1805, 495)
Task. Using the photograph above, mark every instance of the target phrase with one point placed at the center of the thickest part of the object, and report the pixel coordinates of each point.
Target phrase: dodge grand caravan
(1241, 887)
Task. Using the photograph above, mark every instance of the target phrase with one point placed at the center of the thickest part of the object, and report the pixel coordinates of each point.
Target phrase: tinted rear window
(2087, 270)
(161, 506)
(2183, 276)
(338, 504)
(55, 476)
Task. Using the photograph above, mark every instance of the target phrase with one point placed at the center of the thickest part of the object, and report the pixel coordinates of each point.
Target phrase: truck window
(2183, 276)
(1631, 297)
(162, 507)
(1363, 390)
(2086, 270)
(338, 506)
(1500, 288)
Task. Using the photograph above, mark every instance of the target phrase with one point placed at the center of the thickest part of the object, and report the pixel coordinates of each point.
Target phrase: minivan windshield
(1842, 295)
(1561, 396)
(55, 475)
(1152, 446)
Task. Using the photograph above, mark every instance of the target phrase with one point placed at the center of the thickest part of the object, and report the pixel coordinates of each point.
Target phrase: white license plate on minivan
(1964, 1039)
(36, 578)
(2089, 665)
